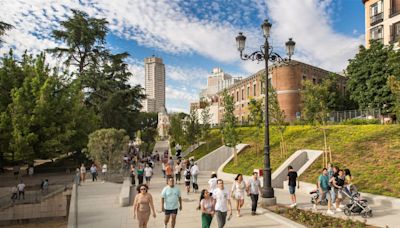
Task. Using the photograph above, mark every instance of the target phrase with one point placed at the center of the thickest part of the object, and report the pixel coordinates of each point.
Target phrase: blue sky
(193, 36)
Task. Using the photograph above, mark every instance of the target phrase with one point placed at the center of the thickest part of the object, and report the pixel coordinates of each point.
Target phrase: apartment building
(382, 21)
(154, 84)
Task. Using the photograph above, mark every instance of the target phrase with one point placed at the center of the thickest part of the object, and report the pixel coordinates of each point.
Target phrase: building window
(254, 89)
(376, 12)
(377, 33)
(394, 8)
(248, 91)
(237, 95)
(304, 78)
(395, 32)
(314, 81)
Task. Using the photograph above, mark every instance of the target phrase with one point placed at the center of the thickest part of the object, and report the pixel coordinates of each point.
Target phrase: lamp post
(266, 53)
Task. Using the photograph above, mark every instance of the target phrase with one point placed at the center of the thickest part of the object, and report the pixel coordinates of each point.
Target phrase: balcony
(377, 18)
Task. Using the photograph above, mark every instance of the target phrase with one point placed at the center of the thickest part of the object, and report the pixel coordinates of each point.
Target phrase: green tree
(108, 146)
(368, 73)
(176, 130)
(229, 133)
(85, 38)
(257, 119)
(3, 28)
(205, 127)
(193, 131)
(394, 85)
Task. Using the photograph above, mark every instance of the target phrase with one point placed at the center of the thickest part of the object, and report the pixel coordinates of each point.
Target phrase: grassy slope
(371, 152)
(212, 144)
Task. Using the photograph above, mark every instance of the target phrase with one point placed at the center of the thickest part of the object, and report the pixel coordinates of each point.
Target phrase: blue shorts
(292, 190)
(168, 212)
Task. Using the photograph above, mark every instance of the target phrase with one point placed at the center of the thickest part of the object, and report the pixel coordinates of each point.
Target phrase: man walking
(170, 202)
(323, 187)
(93, 172)
(222, 203)
(292, 179)
(21, 190)
(148, 173)
(254, 190)
(195, 172)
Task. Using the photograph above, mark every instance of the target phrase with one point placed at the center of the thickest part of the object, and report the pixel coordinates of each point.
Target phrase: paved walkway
(98, 206)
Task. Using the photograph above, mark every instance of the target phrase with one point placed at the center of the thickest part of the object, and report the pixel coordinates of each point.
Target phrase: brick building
(286, 79)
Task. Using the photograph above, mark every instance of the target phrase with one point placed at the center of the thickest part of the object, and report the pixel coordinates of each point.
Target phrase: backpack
(187, 174)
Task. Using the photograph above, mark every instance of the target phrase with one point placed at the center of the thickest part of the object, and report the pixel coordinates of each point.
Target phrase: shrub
(360, 121)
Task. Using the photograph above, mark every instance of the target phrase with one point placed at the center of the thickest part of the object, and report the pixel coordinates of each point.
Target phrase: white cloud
(309, 23)
(173, 93)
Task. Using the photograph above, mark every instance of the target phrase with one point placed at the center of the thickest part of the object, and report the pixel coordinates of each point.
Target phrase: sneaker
(339, 210)
(329, 212)
(292, 206)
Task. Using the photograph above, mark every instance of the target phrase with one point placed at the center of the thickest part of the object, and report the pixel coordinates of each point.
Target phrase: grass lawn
(371, 152)
(214, 142)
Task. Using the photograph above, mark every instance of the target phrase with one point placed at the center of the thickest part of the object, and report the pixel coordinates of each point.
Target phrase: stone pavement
(98, 207)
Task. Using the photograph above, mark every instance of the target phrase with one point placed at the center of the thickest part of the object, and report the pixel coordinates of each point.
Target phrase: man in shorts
(324, 188)
(292, 179)
(148, 173)
(170, 202)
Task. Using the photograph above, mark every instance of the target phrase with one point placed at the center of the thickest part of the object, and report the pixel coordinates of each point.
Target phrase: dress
(238, 190)
(143, 212)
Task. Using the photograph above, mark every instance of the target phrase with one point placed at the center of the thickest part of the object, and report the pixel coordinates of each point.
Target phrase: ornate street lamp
(266, 54)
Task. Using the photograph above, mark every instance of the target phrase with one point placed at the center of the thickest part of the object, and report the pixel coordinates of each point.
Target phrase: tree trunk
(325, 147)
(282, 145)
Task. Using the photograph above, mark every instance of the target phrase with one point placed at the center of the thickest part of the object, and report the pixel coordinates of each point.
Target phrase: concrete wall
(53, 205)
(300, 161)
(213, 160)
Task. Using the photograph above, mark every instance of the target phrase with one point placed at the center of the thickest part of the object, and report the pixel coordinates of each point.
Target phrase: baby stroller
(357, 205)
(315, 196)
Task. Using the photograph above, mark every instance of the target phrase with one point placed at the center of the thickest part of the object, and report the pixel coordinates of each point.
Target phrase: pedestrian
(194, 171)
(171, 162)
(30, 170)
(254, 190)
(45, 186)
(177, 171)
(187, 176)
(142, 205)
(14, 193)
(83, 173)
(332, 176)
(93, 172)
(16, 171)
(292, 179)
(77, 176)
(168, 170)
(170, 202)
(238, 191)
(338, 183)
(104, 172)
(348, 181)
(21, 190)
(207, 207)
(223, 204)
(212, 183)
(324, 189)
(140, 172)
(148, 173)
(163, 169)
(132, 174)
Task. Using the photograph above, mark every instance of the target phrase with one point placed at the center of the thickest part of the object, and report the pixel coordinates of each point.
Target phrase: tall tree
(192, 132)
(368, 73)
(229, 133)
(85, 38)
(257, 119)
(205, 127)
(176, 130)
(277, 117)
(108, 146)
(3, 28)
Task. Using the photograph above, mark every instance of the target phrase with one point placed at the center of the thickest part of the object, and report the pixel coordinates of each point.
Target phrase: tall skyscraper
(155, 84)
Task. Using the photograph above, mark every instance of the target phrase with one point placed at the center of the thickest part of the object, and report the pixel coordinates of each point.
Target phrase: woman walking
(142, 205)
(237, 192)
(140, 173)
(187, 176)
(212, 183)
(207, 206)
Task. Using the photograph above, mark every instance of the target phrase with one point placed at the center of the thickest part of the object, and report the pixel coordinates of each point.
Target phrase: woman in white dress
(238, 192)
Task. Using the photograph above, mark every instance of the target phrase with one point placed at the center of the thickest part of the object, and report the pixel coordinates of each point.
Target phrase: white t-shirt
(83, 169)
(212, 183)
(104, 168)
(221, 199)
(194, 170)
(21, 187)
(177, 169)
(148, 172)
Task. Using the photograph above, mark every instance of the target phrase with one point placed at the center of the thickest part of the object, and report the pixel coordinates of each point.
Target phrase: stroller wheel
(369, 213)
(347, 211)
(366, 214)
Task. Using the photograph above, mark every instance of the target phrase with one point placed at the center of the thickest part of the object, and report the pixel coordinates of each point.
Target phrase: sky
(194, 36)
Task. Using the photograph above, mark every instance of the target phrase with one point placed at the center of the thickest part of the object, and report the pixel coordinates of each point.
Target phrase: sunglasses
(143, 189)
